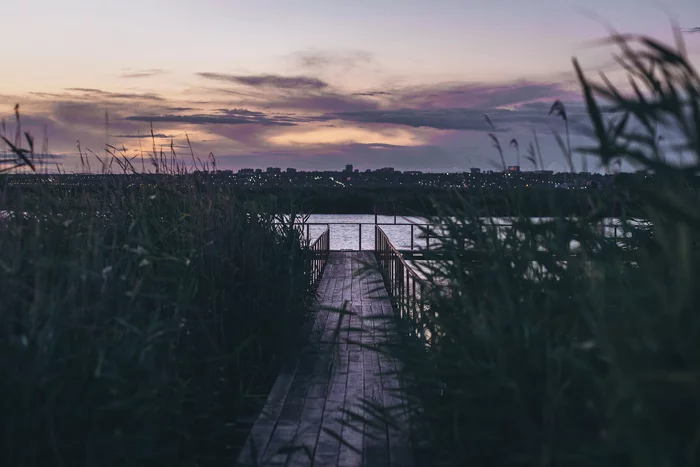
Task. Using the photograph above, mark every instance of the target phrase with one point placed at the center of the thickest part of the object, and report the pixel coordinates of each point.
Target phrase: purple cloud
(143, 73)
(98, 93)
(458, 118)
(317, 59)
(470, 95)
(268, 81)
(372, 93)
(144, 135)
(202, 119)
(323, 102)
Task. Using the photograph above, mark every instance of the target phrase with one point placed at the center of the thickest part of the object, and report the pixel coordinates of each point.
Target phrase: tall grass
(541, 358)
(140, 318)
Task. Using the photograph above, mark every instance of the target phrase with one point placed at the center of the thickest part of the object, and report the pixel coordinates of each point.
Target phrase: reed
(540, 358)
(142, 318)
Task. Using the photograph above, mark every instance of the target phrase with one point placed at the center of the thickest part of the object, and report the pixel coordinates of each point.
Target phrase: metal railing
(305, 229)
(405, 286)
(422, 242)
(318, 253)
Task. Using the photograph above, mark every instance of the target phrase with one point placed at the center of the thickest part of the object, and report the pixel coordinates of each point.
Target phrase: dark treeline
(611, 201)
(425, 201)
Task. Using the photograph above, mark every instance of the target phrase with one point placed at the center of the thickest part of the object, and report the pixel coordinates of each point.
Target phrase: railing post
(360, 236)
(413, 298)
(411, 237)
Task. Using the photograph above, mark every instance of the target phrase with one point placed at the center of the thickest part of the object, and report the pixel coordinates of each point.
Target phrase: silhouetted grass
(140, 320)
(544, 359)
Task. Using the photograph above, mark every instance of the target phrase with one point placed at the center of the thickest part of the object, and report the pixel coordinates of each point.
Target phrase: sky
(311, 84)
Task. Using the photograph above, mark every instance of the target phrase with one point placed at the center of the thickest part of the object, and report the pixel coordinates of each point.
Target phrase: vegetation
(537, 202)
(593, 361)
(138, 326)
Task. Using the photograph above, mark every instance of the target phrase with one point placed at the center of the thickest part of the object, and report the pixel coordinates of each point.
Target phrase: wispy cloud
(144, 135)
(475, 95)
(419, 127)
(321, 102)
(143, 73)
(322, 59)
(442, 119)
(693, 30)
(372, 93)
(241, 117)
(98, 93)
(269, 81)
(462, 106)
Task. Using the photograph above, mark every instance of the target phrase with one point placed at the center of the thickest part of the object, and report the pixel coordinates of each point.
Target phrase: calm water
(345, 233)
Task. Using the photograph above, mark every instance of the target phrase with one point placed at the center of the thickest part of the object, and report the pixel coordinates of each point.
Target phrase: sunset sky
(312, 84)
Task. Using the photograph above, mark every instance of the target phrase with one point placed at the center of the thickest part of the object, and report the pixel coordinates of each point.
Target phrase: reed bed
(142, 319)
(589, 361)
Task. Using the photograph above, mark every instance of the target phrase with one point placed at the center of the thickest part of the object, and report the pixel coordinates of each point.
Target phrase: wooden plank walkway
(319, 392)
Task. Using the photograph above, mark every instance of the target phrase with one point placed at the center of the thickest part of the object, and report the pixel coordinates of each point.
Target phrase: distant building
(348, 168)
(274, 170)
(258, 171)
(475, 171)
(291, 170)
(246, 171)
(513, 168)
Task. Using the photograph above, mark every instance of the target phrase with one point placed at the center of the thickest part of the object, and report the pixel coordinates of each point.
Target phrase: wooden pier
(316, 394)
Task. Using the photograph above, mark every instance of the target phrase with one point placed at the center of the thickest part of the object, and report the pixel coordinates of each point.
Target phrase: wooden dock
(316, 395)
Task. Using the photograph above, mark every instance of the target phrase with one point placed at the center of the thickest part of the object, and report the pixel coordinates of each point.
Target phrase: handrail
(319, 251)
(404, 285)
(424, 228)
(304, 228)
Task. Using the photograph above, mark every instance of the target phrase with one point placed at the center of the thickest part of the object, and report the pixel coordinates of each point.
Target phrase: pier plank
(309, 410)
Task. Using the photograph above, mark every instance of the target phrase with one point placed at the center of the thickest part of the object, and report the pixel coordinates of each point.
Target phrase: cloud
(205, 119)
(115, 95)
(244, 112)
(143, 73)
(450, 119)
(322, 102)
(421, 127)
(442, 119)
(693, 30)
(144, 135)
(88, 114)
(269, 81)
(49, 95)
(475, 95)
(318, 59)
(372, 93)
(305, 101)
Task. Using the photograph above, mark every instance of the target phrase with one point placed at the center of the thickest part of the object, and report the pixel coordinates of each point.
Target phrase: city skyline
(314, 85)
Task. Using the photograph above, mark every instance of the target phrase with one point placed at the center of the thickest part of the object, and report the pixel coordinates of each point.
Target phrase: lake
(345, 231)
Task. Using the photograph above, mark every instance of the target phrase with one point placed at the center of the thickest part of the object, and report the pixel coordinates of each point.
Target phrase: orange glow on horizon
(333, 136)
